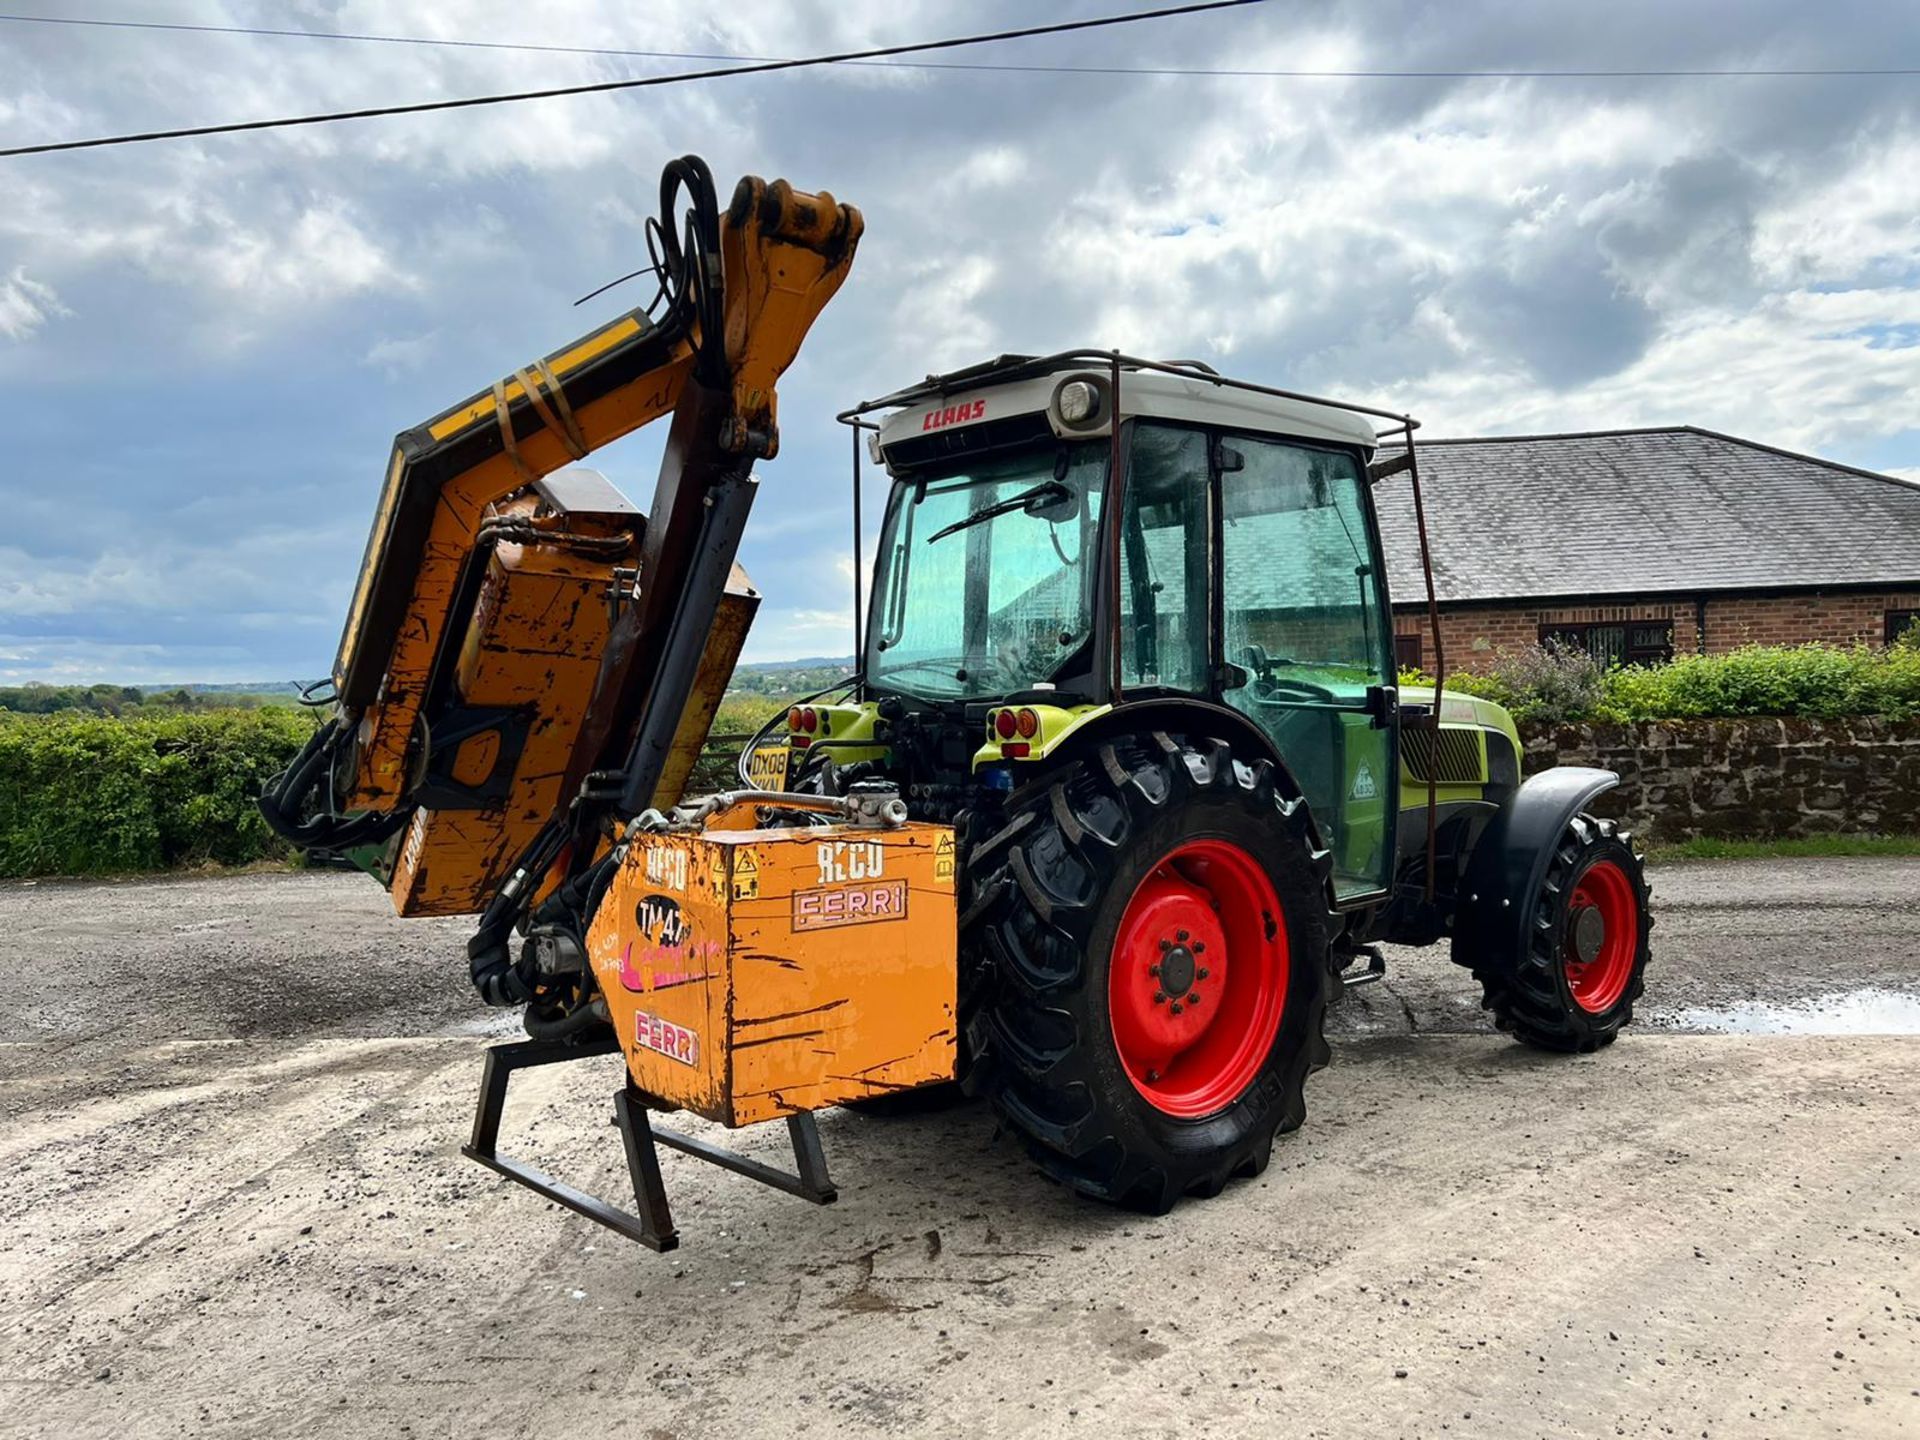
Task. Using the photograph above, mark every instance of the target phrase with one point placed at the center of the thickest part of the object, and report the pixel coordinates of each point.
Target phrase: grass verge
(1801, 848)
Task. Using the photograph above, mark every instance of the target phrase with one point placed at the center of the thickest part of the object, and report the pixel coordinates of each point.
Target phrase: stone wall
(1748, 779)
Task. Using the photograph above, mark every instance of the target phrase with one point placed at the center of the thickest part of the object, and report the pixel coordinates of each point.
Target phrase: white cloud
(991, 168)
(26, 305)
(787, 634)
(398, 354)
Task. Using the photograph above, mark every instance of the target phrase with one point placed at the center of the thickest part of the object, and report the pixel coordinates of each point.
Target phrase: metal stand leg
(653, 1227)
(643, 1167)
(812, 1183)
(811, 1158)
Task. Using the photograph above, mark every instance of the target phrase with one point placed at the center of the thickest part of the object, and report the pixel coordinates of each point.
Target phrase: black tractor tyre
(1043, 899)
(1572, 986)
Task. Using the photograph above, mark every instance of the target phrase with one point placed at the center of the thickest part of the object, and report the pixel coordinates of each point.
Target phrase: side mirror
(1235, 677)
(1060, 504)
(1227, 459)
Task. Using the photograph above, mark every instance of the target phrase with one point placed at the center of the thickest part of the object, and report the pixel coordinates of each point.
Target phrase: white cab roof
(1195, 399)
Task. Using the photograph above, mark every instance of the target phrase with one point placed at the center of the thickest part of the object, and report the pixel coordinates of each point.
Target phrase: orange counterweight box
(752, 974)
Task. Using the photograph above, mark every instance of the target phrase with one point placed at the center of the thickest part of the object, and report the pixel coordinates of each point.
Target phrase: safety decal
(943, 858)
(1363, 786)
(746, 874)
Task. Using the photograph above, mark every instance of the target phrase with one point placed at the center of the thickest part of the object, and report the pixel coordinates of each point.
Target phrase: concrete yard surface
(231, 1217)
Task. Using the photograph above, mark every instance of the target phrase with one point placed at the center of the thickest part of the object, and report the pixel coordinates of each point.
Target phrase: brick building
(1643, 544)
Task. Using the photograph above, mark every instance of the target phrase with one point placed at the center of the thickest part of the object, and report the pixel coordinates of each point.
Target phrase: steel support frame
(653, 1225)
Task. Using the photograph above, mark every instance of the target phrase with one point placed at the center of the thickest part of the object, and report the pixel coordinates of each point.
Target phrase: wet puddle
(1870, 1011)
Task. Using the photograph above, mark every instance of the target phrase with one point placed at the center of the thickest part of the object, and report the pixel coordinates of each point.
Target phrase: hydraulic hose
(284, 798)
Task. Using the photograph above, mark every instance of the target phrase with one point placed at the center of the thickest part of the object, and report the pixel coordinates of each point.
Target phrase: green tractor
(1130, 635)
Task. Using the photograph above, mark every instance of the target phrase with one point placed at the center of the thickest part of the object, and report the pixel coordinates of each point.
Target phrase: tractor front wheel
(1572, 983)
(1149, 933)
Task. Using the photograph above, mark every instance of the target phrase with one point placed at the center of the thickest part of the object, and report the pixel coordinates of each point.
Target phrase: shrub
(1816, 681)
(90, 795)
(1542, 685)
(1548, 686)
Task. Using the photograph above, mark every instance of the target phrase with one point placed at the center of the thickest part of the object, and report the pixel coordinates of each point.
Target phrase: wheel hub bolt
(1176, 1007)
(1193, 997)
(1181, 936)
(1159, 997)
(1203, 972)
(1166, 944)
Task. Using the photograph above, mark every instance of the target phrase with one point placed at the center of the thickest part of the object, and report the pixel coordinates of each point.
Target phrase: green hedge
(1813, 681)
(84, 794)
(94, 795)
(88, 794)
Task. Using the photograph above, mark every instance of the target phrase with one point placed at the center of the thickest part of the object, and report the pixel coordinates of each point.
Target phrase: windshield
(985, 582)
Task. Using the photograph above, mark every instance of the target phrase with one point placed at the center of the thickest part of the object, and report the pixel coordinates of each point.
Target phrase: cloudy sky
(206, 346)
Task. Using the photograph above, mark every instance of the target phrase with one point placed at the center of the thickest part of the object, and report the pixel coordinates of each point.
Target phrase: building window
(1407, 652)
(1625, 642)
(1899, 622)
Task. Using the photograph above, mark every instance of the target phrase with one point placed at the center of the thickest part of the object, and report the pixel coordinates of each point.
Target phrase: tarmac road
(235, 1207)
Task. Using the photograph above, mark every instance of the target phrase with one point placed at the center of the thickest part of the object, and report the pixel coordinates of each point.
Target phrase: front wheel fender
(1510, 860)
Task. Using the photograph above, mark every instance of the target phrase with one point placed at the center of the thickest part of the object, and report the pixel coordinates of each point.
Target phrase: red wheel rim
(1598, 971)
(1204, 933)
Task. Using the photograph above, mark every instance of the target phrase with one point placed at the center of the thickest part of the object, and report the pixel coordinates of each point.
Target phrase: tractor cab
(1063, 538)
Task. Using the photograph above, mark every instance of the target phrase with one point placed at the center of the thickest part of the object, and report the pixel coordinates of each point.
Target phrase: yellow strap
(569, 427)
(561, 423)
(507, 442)
(568, 435)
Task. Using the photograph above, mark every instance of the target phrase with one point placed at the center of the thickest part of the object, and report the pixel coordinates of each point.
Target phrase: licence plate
(767, 767)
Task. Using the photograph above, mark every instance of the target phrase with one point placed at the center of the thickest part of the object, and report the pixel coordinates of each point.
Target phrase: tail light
(1004, 724)
(1028, 724)
(809, 719)
(793, 718)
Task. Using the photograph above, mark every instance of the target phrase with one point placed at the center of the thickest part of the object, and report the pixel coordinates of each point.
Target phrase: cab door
(1307, 639)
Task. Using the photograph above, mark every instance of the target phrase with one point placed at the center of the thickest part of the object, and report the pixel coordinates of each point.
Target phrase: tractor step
(1375, 972)
(653, 1227)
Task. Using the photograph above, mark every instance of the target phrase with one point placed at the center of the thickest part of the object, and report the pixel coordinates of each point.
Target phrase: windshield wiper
(1047, 490)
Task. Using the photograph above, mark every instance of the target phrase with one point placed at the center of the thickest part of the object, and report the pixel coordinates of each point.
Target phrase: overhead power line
(640, 83)
(1008, 67)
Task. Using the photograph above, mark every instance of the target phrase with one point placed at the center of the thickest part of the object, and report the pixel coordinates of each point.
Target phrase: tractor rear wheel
(1144, 949)
(1572, 987)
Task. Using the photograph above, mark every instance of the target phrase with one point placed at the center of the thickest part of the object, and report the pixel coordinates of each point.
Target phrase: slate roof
(1633, 512)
